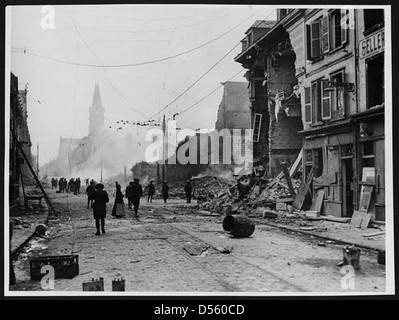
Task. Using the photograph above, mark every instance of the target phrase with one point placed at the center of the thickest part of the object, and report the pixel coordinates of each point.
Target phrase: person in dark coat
(100, 199)
(78, 184)
(118, 209)
(188, 189)
(151, 191)
(165, 191)
(89, 190)
(137, 192)
(128, 194)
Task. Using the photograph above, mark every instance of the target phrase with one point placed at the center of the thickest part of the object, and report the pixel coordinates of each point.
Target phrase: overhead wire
(105, 71)
(140, 63)
(145, 19)
(180, 95)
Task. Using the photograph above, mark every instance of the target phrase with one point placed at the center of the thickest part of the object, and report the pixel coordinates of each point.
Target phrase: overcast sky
(62, 65)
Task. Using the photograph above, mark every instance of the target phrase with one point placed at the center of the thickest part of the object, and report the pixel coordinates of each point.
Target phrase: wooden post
(287, 177)
(35, 176)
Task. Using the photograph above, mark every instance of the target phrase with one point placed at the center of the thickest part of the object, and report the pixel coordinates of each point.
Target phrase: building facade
(19, 172)
(324, 68)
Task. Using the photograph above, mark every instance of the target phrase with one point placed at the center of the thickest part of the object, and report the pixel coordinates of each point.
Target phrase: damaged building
(268, 56)
(316, 80)
(19, 173)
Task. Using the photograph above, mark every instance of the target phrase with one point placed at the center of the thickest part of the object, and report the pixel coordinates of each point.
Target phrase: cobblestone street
(151, 253)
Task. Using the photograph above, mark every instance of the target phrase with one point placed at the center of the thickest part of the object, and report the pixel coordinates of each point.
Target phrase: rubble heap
(256, 191)
(209, 187)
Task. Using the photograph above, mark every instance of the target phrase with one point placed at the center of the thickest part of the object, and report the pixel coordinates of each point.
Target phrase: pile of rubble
(206, 188)
(255, 193)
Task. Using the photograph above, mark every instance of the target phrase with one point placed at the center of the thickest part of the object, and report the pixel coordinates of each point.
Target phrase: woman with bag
(118, 210)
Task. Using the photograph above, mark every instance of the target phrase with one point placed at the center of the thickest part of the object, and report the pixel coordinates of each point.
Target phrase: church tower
(96, 125)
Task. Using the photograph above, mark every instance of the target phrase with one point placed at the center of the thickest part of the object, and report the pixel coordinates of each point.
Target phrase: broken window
(318, 162)
(373, 19)
(256, 127)
(375, 80)
(368, 154)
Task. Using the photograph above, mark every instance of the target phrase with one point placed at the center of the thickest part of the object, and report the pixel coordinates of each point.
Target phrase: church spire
(96, 125)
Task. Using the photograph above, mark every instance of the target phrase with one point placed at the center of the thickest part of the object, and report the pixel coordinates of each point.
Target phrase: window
(326, 100)
(316, 101)
(276, 61)
(256, 127)
(318, 162)
(313, 39)
(326, 34)
(308, 106)
(250, 38)
(338, 95)
(339, 35)
(375, 81)
(373, 19)
(368, 154)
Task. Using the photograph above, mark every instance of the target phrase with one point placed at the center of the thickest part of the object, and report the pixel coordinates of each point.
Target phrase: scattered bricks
(281, 206)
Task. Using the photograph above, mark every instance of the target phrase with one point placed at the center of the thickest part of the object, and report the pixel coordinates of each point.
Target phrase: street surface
(174, 248)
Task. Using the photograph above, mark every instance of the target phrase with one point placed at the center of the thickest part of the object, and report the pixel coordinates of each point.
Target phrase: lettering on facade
(371, 45)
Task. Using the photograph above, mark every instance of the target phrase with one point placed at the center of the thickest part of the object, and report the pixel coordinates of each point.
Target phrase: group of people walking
(97, 199)
(73, 185)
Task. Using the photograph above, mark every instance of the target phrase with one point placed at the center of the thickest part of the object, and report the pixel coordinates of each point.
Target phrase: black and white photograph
(200, 150)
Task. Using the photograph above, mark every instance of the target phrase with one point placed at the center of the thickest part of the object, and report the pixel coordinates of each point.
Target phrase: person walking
(165, 191)
(188, 188)
(151, 191)
(118, 210)
(100, 199)
(89, 190)
(128, 194)
(137, 192)
(78, 184)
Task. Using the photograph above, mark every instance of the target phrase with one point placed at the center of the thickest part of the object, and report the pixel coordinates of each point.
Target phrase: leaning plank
(300, 197)
(297, 164)
(336, 219)
(357, 218)
(374, 234)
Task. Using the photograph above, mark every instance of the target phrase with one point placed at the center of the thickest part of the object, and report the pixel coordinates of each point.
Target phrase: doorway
(347, 187)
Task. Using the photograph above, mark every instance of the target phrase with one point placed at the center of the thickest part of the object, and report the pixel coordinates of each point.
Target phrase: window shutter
(308, 42)
(256, 127)
(315, 39)
(325, 27)
(326, 100)
(344, 31)
(308, 106)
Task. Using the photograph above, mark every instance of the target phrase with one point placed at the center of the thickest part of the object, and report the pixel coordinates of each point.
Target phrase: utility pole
(164, 149)
(102, 155)
(37, 160)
